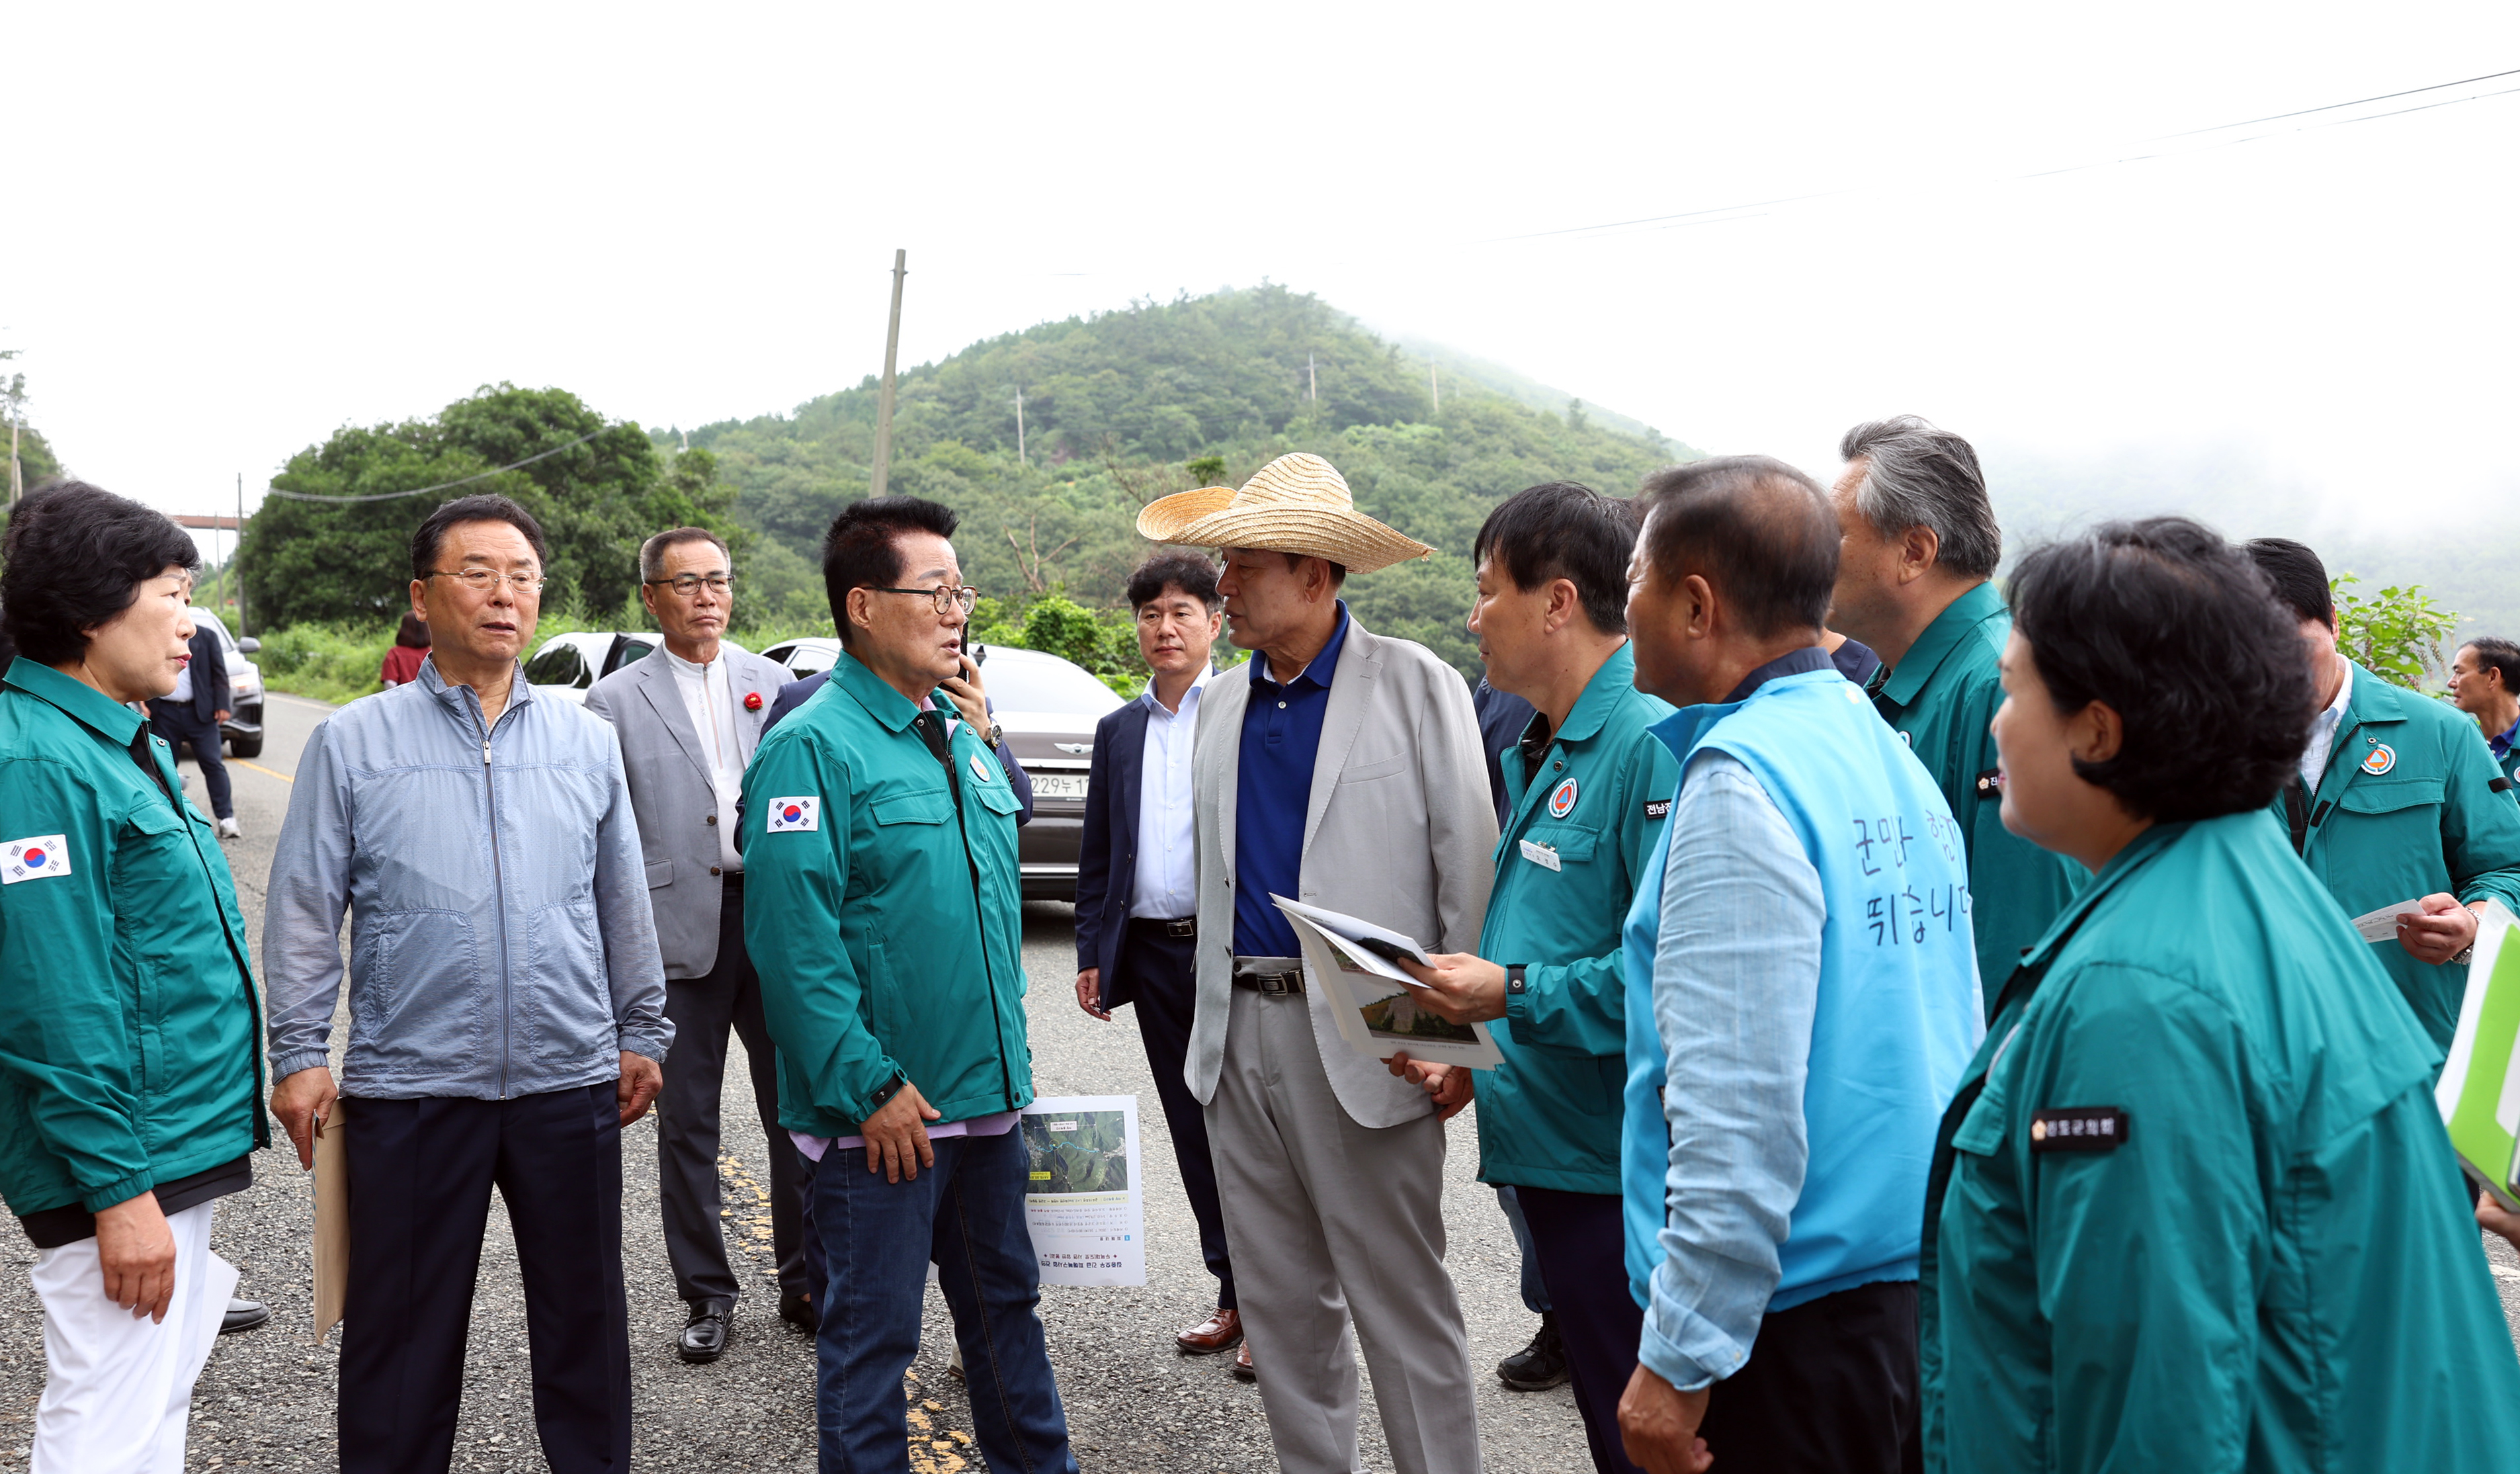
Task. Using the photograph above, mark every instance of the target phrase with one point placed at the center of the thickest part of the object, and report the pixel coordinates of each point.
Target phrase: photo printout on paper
(1083, 1201)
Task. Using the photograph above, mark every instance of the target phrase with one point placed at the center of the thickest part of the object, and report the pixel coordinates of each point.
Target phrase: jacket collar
(1602, 696)
(889, 708)
(2373, 700)
(2142, 847)
(453, 698)
(1940, 639)
(85, 704)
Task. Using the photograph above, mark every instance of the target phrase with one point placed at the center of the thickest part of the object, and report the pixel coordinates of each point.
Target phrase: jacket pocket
(1380, 768)
(2368, 795)
(567, 1003)
(659, 873)
(887, 1009)
(932, 805)
(417, 1004)
(1572, 842)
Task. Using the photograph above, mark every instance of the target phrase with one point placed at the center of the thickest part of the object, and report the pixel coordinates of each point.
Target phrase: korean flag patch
(38, 859)
(794, 816)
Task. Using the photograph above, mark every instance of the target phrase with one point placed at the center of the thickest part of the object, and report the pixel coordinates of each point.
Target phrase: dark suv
(1048, 707)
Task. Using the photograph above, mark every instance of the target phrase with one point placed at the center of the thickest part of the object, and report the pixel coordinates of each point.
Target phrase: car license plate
(1058, 785)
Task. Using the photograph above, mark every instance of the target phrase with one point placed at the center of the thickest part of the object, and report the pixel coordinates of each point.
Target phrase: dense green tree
(1127, 406)
(597, 501)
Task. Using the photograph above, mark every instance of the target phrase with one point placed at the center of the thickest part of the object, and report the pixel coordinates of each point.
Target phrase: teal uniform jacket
(1548, 1115)
(2407, 809)
(127, 1049)
(1941, 698)
(2184, 1211)
(884, 910)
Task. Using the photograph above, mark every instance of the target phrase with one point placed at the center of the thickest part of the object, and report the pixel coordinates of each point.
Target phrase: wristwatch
(2461, 959)
(996, 734)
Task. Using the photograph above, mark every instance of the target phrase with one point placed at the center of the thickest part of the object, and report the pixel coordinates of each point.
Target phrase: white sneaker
(228, 830)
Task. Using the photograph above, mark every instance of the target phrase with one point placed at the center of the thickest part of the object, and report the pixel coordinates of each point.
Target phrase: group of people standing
(1931, 1033)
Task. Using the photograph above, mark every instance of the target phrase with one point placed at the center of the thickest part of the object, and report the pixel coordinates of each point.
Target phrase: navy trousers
(174, 721)
(1830, 1388)
(966, 1213)
(1579, 1240)
(420, 1174)
(1159, 972)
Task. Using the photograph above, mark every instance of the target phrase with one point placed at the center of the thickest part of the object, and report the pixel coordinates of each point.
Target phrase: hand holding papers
(2382, 925)
(1376, 1004)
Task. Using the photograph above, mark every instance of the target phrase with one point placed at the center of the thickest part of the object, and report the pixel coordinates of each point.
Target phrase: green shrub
(329, 662)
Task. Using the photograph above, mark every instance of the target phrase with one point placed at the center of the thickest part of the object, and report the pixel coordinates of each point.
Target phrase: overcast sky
(236, 229)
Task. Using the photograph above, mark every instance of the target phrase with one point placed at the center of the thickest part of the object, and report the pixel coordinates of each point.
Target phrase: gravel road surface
(1133, 1404)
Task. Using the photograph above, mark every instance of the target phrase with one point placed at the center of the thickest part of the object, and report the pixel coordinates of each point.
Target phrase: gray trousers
(1327, 1220)
(703, 1010)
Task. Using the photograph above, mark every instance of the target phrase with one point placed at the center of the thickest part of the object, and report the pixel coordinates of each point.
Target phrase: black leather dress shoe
(711, 1325)
(244, 1316)
(796, 1307)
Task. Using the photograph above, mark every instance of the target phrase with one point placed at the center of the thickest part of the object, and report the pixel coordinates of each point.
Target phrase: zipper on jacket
(979, 910)
(499, 892)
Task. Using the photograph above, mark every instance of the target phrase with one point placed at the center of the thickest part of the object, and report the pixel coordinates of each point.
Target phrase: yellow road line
(258, 767)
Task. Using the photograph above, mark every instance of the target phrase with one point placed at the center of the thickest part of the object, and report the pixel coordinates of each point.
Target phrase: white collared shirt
(708, 695)
(1167, 881)
(2324, 728)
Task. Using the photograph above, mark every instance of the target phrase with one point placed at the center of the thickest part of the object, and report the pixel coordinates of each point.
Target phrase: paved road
(1133, 1404)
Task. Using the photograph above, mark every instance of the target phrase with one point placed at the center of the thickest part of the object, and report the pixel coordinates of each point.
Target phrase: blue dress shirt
(1282, 735)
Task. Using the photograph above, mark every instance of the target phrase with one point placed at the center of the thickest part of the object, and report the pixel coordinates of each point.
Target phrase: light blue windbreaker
(500, 942)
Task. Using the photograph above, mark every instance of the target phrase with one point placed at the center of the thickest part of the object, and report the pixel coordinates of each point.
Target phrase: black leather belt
(1269, 975)
(1178, 926)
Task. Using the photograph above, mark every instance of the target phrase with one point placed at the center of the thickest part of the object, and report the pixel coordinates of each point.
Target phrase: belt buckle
(1274, 985)
(1184, 927)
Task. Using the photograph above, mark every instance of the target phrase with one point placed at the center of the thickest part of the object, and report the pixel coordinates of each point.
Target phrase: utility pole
(16, 478)
(1312, 381)
(884, 406)
(237, 562)
(1434, 389)
(1020, 444)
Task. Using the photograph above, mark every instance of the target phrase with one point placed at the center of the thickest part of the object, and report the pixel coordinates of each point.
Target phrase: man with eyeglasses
(689, 718)
(884, 911)
(507, 1009)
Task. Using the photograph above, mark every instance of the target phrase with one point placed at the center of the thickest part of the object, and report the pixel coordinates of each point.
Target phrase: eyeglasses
(482, 580)
(946, 598)
(688, 585)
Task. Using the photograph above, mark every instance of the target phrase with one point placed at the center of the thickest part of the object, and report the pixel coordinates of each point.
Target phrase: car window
(227, 641)
(560, 664)
(777, 655)
(1046, 686)
(808, 660)
(625, 650)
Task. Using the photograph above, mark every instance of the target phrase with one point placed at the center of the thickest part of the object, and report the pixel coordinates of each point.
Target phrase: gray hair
(1915, 475)
(651, 553)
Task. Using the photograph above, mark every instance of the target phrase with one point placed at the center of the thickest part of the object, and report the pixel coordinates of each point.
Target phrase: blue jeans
(877, 1238)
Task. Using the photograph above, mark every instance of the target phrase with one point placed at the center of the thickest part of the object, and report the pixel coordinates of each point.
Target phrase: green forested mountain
(1125, 407)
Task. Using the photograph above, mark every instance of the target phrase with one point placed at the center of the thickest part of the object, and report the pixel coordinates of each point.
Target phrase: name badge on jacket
(1540, 855)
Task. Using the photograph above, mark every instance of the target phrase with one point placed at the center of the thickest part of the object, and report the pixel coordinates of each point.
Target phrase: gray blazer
(670, 789)
(1397, 830)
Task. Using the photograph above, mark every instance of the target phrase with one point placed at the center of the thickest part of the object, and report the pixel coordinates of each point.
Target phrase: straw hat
(1297, 504)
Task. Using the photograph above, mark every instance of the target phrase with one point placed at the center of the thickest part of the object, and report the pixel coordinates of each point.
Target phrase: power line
(445, 485)
(1721, 213)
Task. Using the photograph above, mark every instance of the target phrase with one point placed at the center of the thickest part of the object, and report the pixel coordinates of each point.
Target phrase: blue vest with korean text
(1899, 1012)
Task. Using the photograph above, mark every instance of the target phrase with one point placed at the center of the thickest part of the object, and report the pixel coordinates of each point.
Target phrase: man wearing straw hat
(1343, 768)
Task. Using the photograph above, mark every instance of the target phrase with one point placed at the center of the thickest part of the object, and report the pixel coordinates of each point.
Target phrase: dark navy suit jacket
(209, 665)
(1107, 867)
(794, 694)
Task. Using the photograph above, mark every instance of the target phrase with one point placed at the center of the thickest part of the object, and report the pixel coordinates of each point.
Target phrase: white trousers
(117, 1390)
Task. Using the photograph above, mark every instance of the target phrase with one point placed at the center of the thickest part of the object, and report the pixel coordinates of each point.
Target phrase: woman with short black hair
(410, 648)
(2185, 1209)
(128, 1072)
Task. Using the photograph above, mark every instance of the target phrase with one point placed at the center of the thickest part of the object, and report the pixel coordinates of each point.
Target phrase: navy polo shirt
(1282, 735)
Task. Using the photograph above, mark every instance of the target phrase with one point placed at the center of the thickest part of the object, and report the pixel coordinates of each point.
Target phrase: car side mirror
(248, 645)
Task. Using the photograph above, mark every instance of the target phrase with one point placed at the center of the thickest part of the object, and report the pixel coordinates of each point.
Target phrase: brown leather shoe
(1244, 1371)
(1216, 1333)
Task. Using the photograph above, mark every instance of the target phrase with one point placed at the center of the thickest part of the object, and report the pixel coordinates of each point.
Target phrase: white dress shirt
(708, 695)
(1167, 881)
(2324, 728)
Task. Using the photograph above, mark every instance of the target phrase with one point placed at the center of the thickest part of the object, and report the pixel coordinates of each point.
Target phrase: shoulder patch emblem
(2381, 760)
(2079, 1129)
(1990, 783)
(41, 858)
(794, 816)
(1657, 809)
(980, 769)
(1562, 800)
